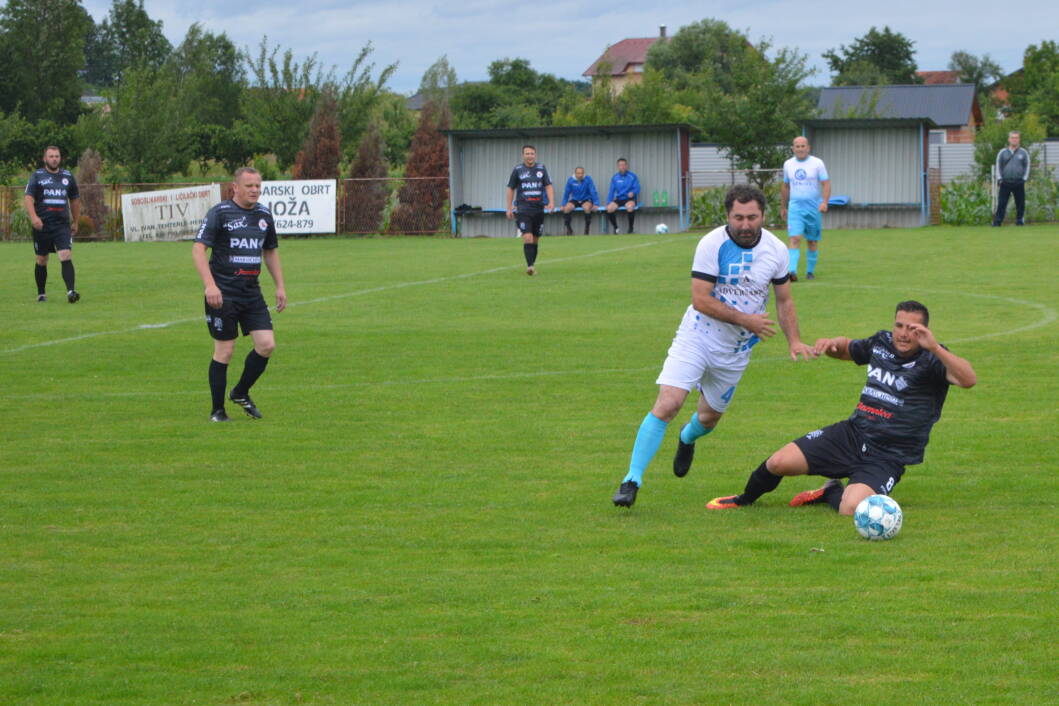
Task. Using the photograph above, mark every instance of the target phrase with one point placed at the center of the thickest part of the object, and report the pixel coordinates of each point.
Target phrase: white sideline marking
(358, 293)
(1048, 314)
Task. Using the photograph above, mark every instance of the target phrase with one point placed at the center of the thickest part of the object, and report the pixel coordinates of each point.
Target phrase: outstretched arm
(789, 323)
(837, 347)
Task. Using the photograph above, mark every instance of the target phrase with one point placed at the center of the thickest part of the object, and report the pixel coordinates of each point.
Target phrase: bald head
(800, 146)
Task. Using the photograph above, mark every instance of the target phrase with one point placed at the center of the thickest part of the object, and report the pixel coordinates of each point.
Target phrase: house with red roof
(623, 62)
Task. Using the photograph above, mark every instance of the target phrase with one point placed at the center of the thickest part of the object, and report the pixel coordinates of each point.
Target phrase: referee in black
(48, 193)
(527, 187)
(240, 234)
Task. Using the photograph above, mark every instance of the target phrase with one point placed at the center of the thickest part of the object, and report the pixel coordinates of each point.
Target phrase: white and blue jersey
(805, 178)
(741, 279)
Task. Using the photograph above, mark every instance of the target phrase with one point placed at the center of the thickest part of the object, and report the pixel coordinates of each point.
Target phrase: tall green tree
(147, 131)
(127, 38)
(280, 101)
(1038, 90)
(877, 58)
(42, 51)
(731, 89)
(210, 76)
(982, 71)
(516, 95)
(359, 96)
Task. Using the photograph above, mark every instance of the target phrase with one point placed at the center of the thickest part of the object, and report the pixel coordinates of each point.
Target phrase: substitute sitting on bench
(624, 190)
(580, 192)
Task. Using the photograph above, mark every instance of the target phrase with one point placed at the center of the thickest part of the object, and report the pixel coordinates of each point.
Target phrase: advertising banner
(301, 207)
(173, 214)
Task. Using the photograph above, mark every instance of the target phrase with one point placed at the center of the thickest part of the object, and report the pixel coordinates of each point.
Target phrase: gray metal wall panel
(871, 165)
(954, 160)
(485, 164)
(872, 218)
(495, 225)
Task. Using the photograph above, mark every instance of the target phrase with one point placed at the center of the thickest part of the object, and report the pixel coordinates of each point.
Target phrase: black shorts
(578, 204)
(249, 314)
(52, 240)
(531, 223)
(836, 452)
(621, 202)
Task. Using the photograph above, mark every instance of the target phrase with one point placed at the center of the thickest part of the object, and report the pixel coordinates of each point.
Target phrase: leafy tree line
(166, 107)
(206, 101)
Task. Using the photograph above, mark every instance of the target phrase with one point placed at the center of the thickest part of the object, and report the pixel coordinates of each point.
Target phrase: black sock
(613, 221)
(218, 381)
(530, 251)
(833, 495)
(759, 483)
(588, 222)
(68, 274)
(40, 273)
(253, 367)
(632, 218)
(567, 217)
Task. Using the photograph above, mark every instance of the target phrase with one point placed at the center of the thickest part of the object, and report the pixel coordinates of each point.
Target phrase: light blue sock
(693, 430)
(648, 439)
(810, 260)
(795, 252)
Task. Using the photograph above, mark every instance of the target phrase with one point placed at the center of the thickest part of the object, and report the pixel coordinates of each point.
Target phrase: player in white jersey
(734, 267)
(803, 198)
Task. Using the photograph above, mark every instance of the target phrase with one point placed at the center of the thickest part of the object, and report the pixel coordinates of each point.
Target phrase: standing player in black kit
(528, 185)
(240, 233)
(909, 374)
(47, 194)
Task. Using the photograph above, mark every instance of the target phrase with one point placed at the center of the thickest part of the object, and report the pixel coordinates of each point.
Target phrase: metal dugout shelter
(480, 162)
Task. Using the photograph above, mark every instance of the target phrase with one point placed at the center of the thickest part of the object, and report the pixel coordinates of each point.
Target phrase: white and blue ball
(661, 228)
(878, 517)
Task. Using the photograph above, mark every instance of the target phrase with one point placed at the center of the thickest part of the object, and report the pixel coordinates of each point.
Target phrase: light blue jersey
(805, 179)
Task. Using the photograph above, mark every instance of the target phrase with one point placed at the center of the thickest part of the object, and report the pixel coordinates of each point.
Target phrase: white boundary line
(1048, 315)
(358, 293)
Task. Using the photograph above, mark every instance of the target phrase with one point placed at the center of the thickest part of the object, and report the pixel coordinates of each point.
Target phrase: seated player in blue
(807, 188)
(623, 193)
(909, 374)
(580, 192)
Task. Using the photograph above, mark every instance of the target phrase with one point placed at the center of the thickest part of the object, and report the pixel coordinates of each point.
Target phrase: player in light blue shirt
(803, 198)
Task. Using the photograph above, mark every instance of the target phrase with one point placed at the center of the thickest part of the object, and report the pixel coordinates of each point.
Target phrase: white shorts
(691, 364)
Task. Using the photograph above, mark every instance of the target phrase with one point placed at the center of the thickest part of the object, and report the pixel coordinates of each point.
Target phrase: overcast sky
(564, 38)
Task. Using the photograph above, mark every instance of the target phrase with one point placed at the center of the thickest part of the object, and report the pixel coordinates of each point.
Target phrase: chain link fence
(397, 206)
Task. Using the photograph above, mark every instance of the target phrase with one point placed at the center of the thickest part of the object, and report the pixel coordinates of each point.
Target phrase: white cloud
(564, 38)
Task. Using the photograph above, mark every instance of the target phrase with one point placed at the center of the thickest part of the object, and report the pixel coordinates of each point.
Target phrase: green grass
(424, 514)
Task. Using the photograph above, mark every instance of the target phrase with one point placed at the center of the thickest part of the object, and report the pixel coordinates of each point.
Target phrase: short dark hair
(913, 306)
(744, 193)
(49, 148)
(528, 147)
(622, 159)
(244, 170)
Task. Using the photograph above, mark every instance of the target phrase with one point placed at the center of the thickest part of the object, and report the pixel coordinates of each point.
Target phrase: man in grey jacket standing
(1013, 170)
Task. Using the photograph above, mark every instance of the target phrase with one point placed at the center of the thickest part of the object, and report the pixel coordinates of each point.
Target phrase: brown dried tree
(322, 149)
(367, 191)
(426, 189)
(93, 205)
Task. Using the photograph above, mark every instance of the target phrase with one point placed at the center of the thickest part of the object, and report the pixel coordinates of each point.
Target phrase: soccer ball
(878, 517)
(661, 228)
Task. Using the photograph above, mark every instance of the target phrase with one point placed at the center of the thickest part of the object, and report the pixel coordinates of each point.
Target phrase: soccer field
(424, 516)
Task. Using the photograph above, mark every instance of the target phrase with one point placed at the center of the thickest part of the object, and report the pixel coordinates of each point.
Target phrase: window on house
(938, 137)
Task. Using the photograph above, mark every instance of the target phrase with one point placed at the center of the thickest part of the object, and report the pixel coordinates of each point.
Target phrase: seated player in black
(909, 374)
(241, 234)
(528, 196)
